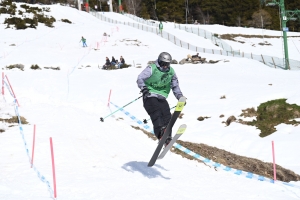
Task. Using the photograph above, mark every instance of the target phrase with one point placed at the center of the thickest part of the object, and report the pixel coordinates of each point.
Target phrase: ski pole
(146, 120)
(102, 119)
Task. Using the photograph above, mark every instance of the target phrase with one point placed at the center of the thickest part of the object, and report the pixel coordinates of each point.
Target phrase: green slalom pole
(146, 120)
(102, 119)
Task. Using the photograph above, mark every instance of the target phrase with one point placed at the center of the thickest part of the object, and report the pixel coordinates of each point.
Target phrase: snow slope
(108, 160)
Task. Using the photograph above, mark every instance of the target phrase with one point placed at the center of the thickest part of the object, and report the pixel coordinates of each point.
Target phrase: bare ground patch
(232, 36)
(232, 160)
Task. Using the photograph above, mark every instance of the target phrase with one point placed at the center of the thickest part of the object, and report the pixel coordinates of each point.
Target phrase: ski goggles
(164, 64)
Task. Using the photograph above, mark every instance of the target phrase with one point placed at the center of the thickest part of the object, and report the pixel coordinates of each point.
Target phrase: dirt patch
(14, 119)
(232, 160)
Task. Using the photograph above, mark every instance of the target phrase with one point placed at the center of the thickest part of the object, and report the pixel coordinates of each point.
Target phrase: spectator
(196, 22)
(107, 63)
(160, 26)
(83, 40)
(113, 61)
(122, 62)
(196, 56)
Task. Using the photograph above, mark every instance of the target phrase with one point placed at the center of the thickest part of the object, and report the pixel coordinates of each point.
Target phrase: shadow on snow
(149, 172)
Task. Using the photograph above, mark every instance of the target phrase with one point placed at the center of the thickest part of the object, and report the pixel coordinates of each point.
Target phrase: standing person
(122, 62)
(83, 40)
(160, 26)
(156, 82)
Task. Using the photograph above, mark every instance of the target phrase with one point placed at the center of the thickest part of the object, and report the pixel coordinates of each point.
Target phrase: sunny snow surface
(108, 160)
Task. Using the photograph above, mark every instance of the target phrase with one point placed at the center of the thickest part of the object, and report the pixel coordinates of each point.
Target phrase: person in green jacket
(160, 26)
(156, 81)
(83, 40)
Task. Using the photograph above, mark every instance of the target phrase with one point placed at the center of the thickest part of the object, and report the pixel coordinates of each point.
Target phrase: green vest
(160, 82)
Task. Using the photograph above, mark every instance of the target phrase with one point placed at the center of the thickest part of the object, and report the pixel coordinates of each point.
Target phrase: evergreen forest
(244, 13)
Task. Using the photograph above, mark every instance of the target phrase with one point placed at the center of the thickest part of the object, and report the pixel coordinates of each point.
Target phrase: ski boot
(168, 140)
(161, 132)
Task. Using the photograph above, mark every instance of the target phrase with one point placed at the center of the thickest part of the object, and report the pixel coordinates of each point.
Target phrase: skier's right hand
(145, 92)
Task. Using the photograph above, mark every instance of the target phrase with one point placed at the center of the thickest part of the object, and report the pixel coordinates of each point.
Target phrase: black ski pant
(159, 111)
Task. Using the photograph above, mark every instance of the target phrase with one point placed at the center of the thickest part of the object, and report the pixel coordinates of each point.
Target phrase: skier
(160, 26)
(155, 82)
(83, 40)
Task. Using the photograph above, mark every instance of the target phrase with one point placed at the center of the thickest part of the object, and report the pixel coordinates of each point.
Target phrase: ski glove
(145, 92)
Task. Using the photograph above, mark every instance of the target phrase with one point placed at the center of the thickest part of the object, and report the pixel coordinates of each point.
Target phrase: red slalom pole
(12, 90)
(274, 165)
(33, 143)
(2, 83)
(53, 167)
(109, 98)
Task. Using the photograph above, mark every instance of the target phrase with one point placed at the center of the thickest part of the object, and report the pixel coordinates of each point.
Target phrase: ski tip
(182, 99)
(183, 126)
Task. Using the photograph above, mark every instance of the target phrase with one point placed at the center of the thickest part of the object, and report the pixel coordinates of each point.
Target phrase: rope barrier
(41, 177)
(211, 163)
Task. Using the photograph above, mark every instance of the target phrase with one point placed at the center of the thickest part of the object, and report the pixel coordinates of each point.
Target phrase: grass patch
(22, 22)
(271, 114)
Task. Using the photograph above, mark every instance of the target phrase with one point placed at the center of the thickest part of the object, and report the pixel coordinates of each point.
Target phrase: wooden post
(262, 58)
(274, 63)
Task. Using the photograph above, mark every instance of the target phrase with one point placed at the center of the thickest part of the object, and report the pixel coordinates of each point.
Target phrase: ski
(180, 131)
(173, 119)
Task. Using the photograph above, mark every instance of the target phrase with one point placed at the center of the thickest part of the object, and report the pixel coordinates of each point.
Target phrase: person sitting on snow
(107, 63)
(196, 56)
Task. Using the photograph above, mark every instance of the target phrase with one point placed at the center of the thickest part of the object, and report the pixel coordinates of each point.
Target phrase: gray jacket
(147, 72)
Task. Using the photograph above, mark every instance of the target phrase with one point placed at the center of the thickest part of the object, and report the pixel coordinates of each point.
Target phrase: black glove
(145, 92)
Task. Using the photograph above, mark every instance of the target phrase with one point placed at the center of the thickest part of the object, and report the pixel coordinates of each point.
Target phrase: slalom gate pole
(108, 98)
(53, 167)
(2, 83)
(274, 164)
(146, 120)
(102, 118)
(33, 144)
(12, 91)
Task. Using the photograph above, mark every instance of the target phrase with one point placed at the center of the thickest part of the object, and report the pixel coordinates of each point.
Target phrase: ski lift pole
(146, 120)
(102, 118)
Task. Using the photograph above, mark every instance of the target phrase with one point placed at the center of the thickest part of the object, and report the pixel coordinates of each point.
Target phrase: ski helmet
(164, 59)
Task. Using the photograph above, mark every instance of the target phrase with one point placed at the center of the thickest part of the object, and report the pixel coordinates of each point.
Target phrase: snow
(108, 160)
